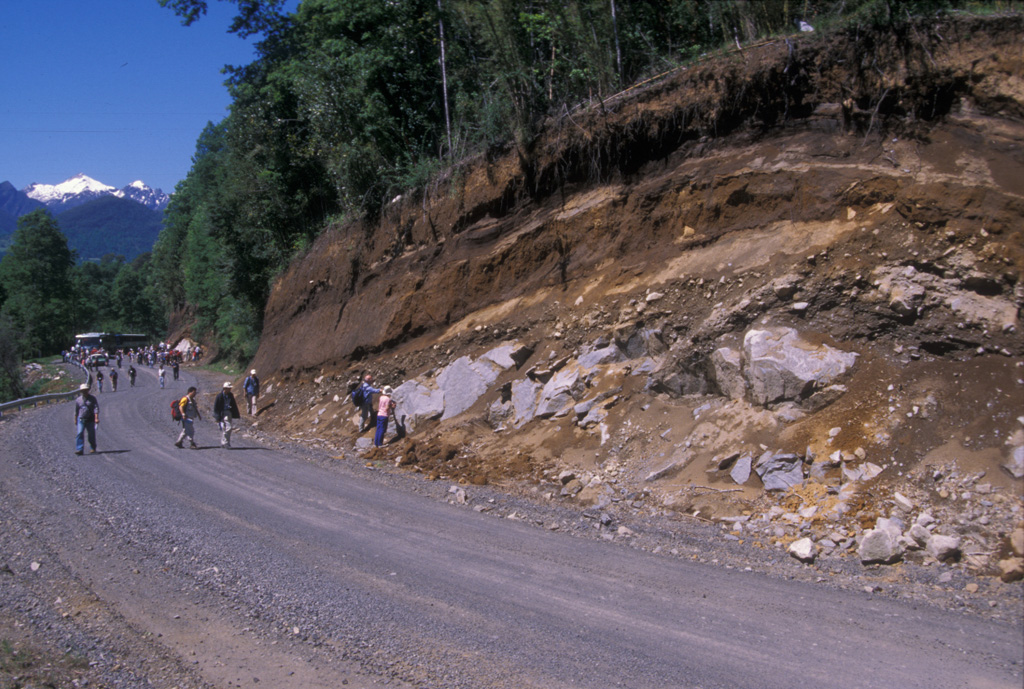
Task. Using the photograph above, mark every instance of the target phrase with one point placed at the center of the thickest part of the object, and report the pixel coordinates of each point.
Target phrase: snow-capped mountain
(137, 191)
(69, 193)
(82, 188)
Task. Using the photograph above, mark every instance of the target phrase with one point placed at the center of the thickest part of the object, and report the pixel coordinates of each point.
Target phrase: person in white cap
(251, 385)
(224, 410)
(87, 416)
(385, 408)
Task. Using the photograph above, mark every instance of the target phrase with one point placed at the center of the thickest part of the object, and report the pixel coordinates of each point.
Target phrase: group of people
(372, 414)
(225, 410)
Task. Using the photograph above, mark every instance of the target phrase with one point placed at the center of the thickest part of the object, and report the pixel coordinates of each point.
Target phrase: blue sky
(116, 89)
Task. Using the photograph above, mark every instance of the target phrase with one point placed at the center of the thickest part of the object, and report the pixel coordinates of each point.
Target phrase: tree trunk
(444, 79)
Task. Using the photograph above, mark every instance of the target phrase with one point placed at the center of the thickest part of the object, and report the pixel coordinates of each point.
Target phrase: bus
(111, 341)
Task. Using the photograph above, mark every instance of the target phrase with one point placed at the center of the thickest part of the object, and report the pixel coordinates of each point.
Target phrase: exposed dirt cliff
(863, 190)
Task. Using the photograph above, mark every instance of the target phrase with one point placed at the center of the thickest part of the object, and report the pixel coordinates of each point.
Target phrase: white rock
(903, 501)
(803, 550)
(943, 548)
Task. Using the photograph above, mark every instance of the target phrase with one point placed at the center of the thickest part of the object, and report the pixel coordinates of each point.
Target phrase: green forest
(352, 102)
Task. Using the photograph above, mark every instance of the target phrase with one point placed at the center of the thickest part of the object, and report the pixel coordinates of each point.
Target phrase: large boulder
(556, 397)
(727, 372)
(417, 403)
(781, 365)
(780, 471)
(463, 382)
(882, 544)
(524, 401)
(597, 357)
(466, 380)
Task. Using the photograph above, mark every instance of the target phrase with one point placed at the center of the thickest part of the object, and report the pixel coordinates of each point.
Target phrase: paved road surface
(256, 563)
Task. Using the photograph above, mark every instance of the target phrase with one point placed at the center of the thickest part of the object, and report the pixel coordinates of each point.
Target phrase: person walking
(162, 374)
(224, 410)
(87, 417)
(251, 385)
(99, 379)
(189, 413)
(362, 397)
(131, 375)
(174, 368)
(385, 408)
(113, 380)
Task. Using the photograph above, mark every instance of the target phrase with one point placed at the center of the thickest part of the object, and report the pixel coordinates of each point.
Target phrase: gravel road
(268, 564)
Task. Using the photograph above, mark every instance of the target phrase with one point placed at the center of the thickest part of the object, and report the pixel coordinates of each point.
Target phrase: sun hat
(83, 386)
(387, 390)
(252, 372)
(227, 383)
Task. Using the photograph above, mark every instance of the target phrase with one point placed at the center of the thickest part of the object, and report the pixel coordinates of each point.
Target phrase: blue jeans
(188, 430)
(382, 428)
(85, 428)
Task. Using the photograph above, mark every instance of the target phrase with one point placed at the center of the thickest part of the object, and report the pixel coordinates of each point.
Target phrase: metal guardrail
(45, 399)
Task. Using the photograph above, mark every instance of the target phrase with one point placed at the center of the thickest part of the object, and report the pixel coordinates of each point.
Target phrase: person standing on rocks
(189, 412)
(224, 410)
(362, 397)
(385, 408)
(251, 385)
(87, 417)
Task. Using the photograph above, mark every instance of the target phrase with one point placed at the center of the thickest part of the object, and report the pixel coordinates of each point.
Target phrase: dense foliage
(46, 297)
(353, 101)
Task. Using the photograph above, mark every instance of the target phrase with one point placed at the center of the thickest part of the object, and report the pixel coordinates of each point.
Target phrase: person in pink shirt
(385, 408)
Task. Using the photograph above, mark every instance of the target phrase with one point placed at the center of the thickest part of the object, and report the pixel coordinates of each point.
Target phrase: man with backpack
(362, 398)
(251, 385)
(224, 410)
(189, 411)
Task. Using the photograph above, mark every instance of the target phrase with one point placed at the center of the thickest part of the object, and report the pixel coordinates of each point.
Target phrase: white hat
(83, 386)
(227, 383)
(252, 372)
(387, 390)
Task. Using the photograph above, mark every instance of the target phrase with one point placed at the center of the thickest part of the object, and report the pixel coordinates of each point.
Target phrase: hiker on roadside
(362, 397)
(99, 379)
(174, 368)
(113, 380)
(224, 410)
(131, 375)
(189, 412)
(385, 409)
(162, 374)
(87, 417)
(251, 386)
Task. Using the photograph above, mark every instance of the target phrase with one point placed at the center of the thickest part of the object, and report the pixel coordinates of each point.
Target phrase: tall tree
(35, 279)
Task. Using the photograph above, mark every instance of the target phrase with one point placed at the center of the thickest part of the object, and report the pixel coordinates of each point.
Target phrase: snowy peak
(58, 194)
(82, 188)
(138, 191)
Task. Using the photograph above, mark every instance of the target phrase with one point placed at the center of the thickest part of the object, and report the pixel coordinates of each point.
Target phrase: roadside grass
(50, 377)
(223, 368)
(23, 667)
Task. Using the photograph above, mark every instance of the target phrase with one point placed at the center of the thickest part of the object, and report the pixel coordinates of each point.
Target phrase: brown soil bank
(863, 189)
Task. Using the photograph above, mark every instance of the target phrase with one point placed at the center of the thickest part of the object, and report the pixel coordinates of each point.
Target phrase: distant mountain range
(96, 218)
